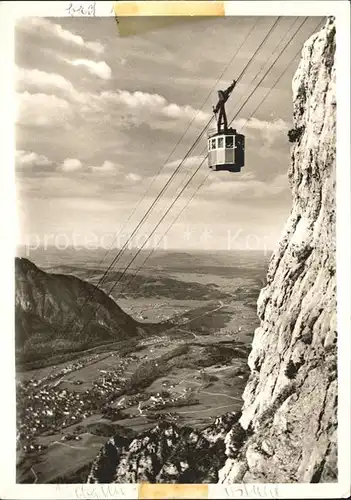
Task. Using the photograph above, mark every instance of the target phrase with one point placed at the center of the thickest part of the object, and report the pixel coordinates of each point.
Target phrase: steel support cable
(269, 68)
(278, 79)
(285, 36)
(241, 74)
(174, 173)
(182, 190)
(207, 175)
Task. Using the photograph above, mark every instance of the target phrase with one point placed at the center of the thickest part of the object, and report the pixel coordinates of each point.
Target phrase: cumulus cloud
(175, 111)
(133, 177)
(107, 166)
(100, 68)
(71, 165)
(31, 160)
(46, 83)
(55, 30)
(42, 79)
(32, 82)
(136, 99)
(269, 130)
(191, 161)
(53, 100)
(74, 165)
(273, 126)
(42, 110)
(150, 108)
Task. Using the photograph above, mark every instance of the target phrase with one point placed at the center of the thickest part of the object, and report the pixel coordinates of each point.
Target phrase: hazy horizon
(102, 258)
(154, 250)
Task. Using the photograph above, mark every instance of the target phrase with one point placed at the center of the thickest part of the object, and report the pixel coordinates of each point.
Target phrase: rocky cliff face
(58, 313)
(290, 401)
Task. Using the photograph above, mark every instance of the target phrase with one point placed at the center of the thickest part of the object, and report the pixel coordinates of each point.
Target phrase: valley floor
(192, 372)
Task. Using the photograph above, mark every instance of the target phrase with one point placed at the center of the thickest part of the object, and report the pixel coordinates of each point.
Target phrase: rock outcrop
(165, 454)
(290, 401)
(62, 313)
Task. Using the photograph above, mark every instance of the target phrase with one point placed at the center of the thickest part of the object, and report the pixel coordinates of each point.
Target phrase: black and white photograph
(175, 275)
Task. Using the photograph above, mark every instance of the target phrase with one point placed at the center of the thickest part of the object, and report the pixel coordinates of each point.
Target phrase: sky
(100, 129)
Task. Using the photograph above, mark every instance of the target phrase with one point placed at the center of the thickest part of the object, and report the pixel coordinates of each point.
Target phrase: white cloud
(274, 126)
(191, 161)
(175, 111)
(46, 82)
(270, 130)
(45, 109)
(107, 166)
(42, 79)
(136, 100)
(42, 110)
(49, 83)
(29, 159)
(100, 68)
(71, 165)
(133, 177)
(57, 31)
(149, 108)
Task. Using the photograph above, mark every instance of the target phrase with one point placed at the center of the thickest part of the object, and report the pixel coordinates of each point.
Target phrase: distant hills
(165, 259)
(57, 313)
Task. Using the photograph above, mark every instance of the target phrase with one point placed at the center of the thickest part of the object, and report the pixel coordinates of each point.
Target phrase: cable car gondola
(225, 147)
